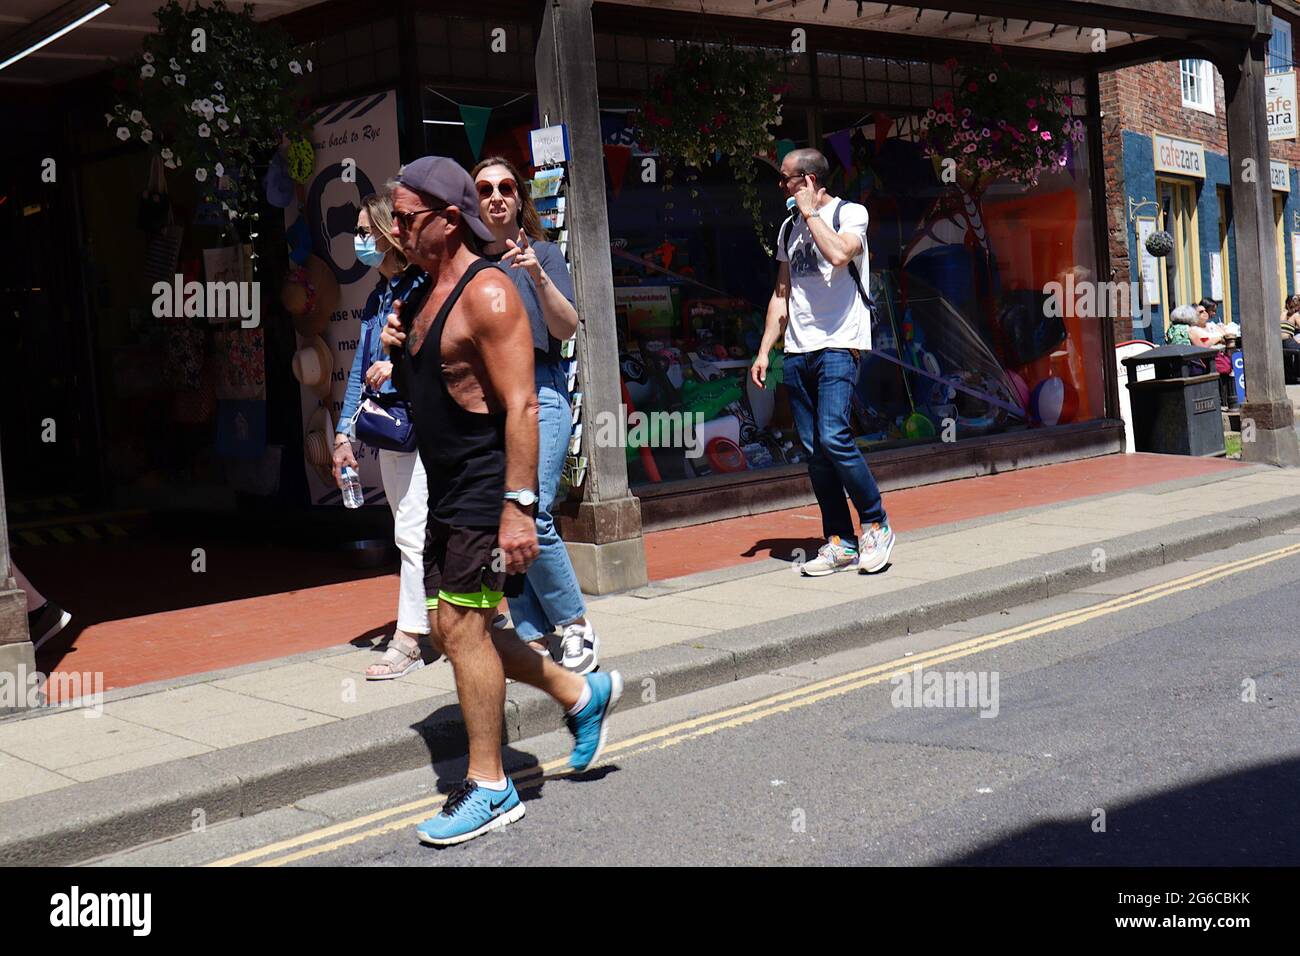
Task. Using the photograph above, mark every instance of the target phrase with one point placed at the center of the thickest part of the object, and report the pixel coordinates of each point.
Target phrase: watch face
(527, 498)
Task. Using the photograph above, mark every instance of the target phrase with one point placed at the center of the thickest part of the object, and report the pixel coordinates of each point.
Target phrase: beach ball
(1053, 401)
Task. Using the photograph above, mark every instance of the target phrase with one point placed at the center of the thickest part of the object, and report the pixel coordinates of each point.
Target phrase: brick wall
(1147, 99)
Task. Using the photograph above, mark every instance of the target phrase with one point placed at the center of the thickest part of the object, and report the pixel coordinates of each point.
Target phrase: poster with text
(356, 153)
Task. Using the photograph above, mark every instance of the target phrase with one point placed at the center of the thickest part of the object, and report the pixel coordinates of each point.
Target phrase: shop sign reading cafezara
(1181, 156)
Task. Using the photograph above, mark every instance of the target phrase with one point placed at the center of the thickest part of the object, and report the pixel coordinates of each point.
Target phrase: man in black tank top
(464, 361)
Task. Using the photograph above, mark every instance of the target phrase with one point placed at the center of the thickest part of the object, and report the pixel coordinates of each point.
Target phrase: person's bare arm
(839, 249)
(498, 326)
(778, 315)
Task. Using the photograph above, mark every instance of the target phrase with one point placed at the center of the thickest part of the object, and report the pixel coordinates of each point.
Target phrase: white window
(1279, 47)
(1198, 85)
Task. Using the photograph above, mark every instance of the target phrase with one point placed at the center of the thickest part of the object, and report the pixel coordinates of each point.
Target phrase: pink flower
(1033, 126)
(1032, 104)
(1069, 102)
(1047, 136)
(970, 148)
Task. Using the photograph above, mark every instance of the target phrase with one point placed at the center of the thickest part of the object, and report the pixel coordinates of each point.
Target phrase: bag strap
(853, 265)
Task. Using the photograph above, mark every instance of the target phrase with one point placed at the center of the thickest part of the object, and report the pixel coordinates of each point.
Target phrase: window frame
(1203, 76)
(1276, 49)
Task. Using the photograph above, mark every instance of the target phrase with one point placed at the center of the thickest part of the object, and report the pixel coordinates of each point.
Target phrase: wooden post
(1267, 415)
(604, 538)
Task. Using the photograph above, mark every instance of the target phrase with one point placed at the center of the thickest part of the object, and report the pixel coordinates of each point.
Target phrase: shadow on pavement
(1241, 819)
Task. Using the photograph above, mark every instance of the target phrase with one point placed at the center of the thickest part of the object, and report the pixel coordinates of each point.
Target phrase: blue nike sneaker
(591, 724)
(471, 811)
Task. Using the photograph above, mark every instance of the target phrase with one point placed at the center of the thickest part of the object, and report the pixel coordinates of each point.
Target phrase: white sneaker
(874, 548)
(832, 557)
(579, 648)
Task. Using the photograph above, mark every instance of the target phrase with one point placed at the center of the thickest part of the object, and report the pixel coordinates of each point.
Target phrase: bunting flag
(883, 125)
(843, 148)
(476, 123)
(616, 160)
(783, 146)
(524, 145)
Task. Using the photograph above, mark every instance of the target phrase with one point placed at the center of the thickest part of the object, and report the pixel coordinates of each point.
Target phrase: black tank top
(464, 452)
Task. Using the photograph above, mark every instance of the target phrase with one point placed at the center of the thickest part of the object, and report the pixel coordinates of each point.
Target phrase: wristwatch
(525, 498)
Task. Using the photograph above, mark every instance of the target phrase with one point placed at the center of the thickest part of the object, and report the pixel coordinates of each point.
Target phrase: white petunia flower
(170, 164)
(148, 57)
(201, 174)
(167, 81)
(108, 119)
(146, 134)
(236, 120)
(222, 108)
(136, 116)
(166, 153)
(176, 67)
(223, 125)
(204, 131)
(309, 66)
(217, 86)
(123, 133)
(146, 72)
(221, 170)
(180, 79)
(295, 67)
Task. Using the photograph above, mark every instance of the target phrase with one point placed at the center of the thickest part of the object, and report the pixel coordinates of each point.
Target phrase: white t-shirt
(826, 311)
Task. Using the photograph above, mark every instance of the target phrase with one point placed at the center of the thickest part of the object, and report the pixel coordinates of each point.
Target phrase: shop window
(1182, 267)
(362, 57)
(454, 50)
(959, 278)
(1197, 77)
(1279, 47)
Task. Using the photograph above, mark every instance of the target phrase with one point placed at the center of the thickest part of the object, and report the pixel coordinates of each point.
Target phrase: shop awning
(1133, 30)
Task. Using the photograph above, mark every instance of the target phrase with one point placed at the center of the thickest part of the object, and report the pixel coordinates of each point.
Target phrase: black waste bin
(1291, 361)
(1177, 412)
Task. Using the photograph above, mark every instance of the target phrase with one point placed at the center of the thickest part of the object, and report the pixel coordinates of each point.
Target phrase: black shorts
(464, 566)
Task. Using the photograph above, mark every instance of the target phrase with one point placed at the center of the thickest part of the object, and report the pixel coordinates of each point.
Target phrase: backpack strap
(853, 265)
(785, 237)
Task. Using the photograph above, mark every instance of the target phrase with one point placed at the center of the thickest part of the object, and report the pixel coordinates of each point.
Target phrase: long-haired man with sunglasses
(465, 363)
(821, 305)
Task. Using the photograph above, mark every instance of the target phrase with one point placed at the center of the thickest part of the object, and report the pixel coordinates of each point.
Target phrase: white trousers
(407, 491)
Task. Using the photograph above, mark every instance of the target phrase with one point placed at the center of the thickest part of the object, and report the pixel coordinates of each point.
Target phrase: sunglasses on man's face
(405, 219)
(506, 187)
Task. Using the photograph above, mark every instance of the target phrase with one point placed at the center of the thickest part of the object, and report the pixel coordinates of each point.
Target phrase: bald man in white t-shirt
(820, 304)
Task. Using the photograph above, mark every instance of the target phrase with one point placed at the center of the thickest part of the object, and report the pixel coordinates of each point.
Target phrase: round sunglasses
(506, 187)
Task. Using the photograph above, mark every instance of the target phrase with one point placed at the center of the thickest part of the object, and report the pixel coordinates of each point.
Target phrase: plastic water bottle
(352, 494)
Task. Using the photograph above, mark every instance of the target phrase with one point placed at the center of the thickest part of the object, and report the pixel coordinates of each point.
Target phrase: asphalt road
(1120, 736)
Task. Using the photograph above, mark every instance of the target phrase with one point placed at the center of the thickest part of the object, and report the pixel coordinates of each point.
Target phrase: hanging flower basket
(1001, 123)
(1160, 244)
(715, 101)
(210, 93)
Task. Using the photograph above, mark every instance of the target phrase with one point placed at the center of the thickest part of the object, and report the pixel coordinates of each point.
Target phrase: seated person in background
(1289, 308)
(1181, 320)
(1200, 333)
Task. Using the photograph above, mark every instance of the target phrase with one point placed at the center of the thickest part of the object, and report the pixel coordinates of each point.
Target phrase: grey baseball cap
(446, 179)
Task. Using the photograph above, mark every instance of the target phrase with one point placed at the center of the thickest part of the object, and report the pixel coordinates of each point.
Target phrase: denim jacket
(373, 318)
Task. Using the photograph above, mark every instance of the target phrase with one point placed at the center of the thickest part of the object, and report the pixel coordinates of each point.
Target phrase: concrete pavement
(234, 743)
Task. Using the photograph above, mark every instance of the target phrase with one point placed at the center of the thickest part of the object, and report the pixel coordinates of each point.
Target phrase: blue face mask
(366, 251)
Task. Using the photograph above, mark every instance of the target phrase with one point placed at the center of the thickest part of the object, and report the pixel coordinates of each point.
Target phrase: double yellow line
(354, 831)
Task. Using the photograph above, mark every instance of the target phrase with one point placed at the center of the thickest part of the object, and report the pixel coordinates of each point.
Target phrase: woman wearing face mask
(551, 597)
(403, 477)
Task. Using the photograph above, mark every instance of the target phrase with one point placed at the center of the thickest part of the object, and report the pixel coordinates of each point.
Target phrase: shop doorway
(1182, 267)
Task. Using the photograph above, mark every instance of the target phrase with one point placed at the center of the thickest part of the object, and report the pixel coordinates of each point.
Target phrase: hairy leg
(462, 634)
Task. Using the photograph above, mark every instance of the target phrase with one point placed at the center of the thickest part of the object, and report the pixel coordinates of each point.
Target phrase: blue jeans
(821, 387)
(551, 597)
